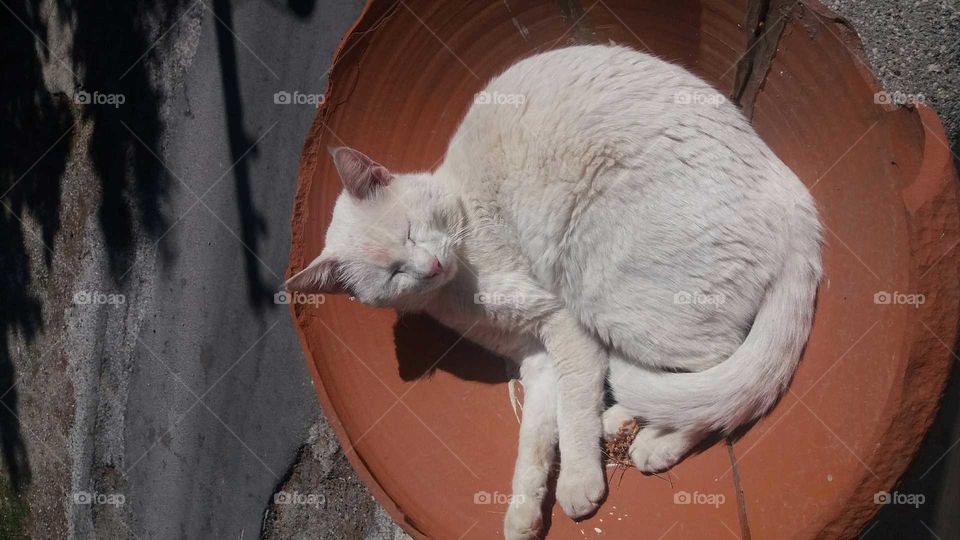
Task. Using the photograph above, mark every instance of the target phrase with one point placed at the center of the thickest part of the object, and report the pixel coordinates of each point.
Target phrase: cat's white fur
(615, 220)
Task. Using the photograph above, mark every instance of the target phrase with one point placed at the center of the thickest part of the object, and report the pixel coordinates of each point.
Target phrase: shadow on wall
(113, 59)
(242, 147)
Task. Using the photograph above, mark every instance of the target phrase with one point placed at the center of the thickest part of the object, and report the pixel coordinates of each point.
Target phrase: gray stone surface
(180, 403)
(322, 483)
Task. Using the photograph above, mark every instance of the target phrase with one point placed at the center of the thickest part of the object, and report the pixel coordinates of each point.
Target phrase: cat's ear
(361, 176)
(320, 276)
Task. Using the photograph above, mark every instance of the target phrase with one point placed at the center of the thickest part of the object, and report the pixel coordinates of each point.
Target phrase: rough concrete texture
(322, 485)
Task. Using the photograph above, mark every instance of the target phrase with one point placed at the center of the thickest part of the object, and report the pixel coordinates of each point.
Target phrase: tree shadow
(117, 101)
(113, 50)
(301, 8)
(35, 138)
(242, 148)
(115, 95)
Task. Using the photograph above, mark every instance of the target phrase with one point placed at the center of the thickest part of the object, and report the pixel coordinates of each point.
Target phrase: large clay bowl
(430, 428)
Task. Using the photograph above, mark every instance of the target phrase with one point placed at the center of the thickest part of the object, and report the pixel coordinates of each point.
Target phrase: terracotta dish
(425, 418)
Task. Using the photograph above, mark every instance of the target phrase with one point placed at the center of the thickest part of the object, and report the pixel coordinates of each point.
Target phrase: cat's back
(586, 78)
(625, 179)
(577, 102)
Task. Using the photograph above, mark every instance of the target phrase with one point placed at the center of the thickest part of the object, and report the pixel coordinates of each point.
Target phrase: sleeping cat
(617, 221)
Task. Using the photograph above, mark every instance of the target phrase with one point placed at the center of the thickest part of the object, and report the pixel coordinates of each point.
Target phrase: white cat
(615, 219)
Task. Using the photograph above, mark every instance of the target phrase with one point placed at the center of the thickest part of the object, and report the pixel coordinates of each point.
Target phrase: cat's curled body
(616, 220)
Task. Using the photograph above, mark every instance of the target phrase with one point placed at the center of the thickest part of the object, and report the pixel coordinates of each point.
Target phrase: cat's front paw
(523, 520)
(580, 489)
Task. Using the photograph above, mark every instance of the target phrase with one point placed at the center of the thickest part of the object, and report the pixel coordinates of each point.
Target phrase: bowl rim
(931, 195)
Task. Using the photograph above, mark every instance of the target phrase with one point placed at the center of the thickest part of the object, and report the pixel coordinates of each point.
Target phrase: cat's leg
(657, 449)
(537, 448)
(581, 366)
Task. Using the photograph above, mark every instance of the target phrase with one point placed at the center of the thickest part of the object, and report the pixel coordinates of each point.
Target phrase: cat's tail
(751, 380)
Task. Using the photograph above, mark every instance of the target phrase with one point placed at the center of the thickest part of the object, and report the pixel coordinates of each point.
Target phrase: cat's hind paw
(655, 451)
(615, 418)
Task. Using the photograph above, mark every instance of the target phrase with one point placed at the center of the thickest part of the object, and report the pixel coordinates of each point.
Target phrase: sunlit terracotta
(430, 429)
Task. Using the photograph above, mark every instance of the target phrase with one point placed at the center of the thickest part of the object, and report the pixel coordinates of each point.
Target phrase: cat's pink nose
(435, 269)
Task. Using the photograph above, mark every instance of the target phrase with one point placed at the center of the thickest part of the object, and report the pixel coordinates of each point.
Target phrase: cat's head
(390, 242)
